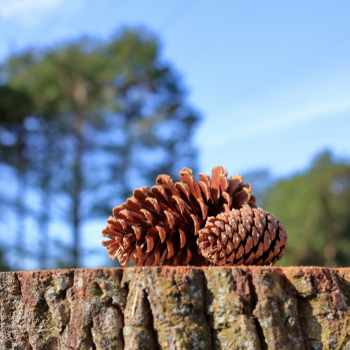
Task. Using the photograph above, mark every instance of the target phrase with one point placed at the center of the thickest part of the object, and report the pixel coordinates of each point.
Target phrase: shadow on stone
(209, 297)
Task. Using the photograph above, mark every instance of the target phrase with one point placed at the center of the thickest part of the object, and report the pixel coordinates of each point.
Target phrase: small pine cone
(159, 226)
(249, 236)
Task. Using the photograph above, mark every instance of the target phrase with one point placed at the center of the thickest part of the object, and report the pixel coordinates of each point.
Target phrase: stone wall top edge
(182, 268)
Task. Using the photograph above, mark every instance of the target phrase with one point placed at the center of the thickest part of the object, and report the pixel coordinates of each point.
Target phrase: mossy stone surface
(171, 308)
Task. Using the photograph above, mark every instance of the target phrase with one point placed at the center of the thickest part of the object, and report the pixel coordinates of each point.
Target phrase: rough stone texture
(176, 308)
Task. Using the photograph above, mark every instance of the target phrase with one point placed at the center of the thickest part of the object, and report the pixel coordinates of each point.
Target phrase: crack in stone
(72, 274)
(106, 308)
(19, 292)
(90, 338)
(254, 301)
(126, 287)
(208, 300)
(154, 333)
(301, 319)
(19, 289)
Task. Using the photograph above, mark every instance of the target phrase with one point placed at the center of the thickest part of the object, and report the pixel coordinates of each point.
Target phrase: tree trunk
(76, 232)
(44, 221)
(21, 249)
(78, 180)
(176, 308)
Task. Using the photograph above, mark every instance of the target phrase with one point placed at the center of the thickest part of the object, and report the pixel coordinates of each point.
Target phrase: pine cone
(249, 236)
(159, 226)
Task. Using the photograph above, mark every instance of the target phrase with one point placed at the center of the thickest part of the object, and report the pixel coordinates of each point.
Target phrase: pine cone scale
(242, 197)
(267, 241)
(259, 251)
(196, 223)
(283, 238)
(236, 240)
(215, 184)
(229, 247)
(182, 238)
(206, 192)
(235, 182)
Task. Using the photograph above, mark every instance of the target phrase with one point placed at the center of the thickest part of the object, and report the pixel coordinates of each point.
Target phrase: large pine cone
(159, 226)
(249, 236)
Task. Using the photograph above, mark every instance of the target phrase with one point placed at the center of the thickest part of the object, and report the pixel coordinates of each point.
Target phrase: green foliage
(14, 105)
(314, 207)
(96, 119)
(3, 264)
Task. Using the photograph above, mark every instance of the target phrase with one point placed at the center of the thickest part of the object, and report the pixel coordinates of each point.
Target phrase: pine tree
(107, 117)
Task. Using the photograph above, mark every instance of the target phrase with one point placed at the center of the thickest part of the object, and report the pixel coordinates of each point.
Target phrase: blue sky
(271, 78)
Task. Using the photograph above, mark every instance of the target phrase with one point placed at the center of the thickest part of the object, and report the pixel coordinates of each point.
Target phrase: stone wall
(176, 308)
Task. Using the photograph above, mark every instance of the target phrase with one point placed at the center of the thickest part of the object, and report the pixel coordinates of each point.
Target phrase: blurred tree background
(314, 207)
(82, 124)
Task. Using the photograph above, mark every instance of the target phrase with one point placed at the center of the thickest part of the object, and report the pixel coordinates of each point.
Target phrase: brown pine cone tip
(159, 226)
(248, 236)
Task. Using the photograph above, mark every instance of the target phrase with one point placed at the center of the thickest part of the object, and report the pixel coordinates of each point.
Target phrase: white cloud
(28, 12)
(271, 123)
(277, 110)
(15, 8)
